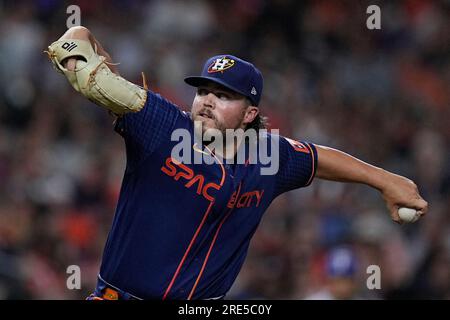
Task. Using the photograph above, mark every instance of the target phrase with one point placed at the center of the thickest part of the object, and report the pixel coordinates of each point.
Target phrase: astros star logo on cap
(220, 64)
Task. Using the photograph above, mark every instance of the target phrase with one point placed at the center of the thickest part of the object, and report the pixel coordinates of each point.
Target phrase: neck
(229, 149)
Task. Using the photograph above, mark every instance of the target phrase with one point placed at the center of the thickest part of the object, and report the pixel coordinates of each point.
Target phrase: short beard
(217, 125)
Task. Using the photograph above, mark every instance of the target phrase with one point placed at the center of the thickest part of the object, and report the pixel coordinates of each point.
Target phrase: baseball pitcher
(182, 228)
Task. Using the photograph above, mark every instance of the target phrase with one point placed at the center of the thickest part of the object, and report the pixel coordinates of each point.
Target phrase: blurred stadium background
(381, 95)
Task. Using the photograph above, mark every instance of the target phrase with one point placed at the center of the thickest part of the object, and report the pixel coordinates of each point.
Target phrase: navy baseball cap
(341, 262)
(231, 72)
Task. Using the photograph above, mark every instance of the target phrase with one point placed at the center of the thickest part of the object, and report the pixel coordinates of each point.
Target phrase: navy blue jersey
(182, 231)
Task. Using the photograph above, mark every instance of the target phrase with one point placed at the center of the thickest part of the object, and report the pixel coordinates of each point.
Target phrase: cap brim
(196, 81)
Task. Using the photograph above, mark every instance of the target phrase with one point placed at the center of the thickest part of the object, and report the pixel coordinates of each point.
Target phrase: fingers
(70, 64)
(424, 209)
(394, 214)
(415, 201)
(420, 205)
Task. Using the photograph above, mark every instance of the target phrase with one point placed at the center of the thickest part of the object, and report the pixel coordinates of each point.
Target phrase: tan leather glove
(94, 79)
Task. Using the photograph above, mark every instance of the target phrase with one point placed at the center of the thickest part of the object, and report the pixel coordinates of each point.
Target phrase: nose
(209, 100)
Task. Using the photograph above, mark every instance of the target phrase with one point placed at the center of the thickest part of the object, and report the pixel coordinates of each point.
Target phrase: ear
(250, 114)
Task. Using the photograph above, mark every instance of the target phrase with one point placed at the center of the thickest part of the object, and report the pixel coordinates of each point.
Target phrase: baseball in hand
(408, 215)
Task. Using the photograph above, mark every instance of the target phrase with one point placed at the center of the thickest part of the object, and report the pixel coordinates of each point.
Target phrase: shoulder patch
(298, 146)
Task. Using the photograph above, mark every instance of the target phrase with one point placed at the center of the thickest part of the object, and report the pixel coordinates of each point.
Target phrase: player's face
(220, 108)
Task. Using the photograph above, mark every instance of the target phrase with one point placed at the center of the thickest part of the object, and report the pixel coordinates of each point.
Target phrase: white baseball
(408, 215)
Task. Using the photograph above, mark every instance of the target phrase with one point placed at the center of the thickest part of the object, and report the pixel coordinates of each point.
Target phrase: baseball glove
(93, 78)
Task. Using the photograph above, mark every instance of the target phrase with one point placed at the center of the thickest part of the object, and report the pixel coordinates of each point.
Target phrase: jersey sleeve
(146, 130)
(298, 165)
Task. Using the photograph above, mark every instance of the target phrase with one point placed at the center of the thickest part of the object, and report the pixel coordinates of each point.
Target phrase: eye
(223, 96)
(202, 92)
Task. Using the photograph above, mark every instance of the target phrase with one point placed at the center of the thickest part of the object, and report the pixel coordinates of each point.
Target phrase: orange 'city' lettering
(246, 199)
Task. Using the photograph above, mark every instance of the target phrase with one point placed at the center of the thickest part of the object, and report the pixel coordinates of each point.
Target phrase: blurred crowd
(381, 95)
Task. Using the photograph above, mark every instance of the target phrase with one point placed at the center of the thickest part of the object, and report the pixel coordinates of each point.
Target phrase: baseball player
(181, 230)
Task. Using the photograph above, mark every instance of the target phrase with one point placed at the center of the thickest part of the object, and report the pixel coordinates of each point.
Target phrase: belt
(106, 291)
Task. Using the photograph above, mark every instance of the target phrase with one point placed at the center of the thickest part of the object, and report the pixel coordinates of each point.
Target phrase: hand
(70, 64)
(398, 192)
(83, 33)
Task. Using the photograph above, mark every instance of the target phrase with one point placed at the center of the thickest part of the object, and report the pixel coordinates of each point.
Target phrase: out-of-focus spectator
(340, 268)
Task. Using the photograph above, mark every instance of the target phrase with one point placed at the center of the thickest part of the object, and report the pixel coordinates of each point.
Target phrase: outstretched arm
(396, 190)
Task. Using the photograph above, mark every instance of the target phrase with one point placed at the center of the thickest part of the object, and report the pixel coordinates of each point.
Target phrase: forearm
(339, 166)
(396, 190)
